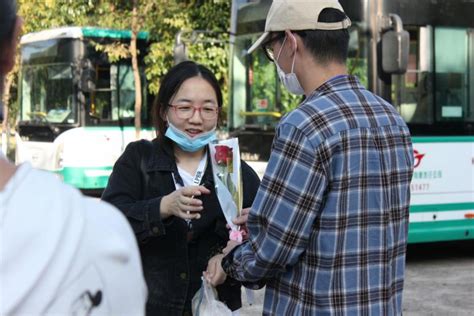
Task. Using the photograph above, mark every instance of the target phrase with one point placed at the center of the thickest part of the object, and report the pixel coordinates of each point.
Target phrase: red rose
(222, 152)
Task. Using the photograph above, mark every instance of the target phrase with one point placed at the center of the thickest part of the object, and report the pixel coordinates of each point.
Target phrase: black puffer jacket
(172, 259)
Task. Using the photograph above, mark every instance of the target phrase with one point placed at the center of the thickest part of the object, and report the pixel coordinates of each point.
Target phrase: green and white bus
(435, 96)
(76, 107)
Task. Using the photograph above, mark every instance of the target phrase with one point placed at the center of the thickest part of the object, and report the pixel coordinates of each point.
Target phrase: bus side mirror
(395, 48)
(88, 77)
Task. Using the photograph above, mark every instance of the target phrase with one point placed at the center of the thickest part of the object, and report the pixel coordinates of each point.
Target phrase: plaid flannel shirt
(328, 228)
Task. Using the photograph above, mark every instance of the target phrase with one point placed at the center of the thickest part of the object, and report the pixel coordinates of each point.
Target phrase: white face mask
(290, 81)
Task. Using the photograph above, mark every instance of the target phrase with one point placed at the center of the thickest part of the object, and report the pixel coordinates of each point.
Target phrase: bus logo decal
(418, 157)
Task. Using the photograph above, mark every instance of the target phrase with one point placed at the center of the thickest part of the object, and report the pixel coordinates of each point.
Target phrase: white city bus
(435, 97)
(77, 108)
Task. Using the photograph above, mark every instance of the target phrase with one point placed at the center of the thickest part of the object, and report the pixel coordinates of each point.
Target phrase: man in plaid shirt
(328, 228)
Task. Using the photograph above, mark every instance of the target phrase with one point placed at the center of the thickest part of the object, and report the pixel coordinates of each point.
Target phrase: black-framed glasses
(186, 111)
(267, 46)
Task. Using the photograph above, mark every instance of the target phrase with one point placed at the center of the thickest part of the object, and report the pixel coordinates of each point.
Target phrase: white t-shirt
(189, 179)
(65, 254)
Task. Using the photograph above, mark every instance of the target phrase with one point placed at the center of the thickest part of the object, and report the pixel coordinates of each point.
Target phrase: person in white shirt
(60, 253)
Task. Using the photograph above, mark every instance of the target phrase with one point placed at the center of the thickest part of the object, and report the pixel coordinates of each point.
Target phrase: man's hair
(327, 45)
(7, 20)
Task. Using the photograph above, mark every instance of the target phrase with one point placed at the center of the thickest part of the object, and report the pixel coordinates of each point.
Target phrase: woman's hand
(182, 203)
(214, 274)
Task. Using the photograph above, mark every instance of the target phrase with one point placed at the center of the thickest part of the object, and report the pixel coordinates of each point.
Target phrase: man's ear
(291, 41)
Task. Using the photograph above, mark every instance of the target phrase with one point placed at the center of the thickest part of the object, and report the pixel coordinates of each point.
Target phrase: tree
(136, 73)
(163, 19)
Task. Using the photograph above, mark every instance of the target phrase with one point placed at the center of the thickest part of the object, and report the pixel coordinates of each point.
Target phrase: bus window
(267, 92)
(46, 91)
(258, 99)
(470, 114)
(413, 91)
(114, 96)
(262, 81)
(101, 106)
(451, 60)
(125, 94)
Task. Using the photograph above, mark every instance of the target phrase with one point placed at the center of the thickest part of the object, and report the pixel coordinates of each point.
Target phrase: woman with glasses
(166, 190)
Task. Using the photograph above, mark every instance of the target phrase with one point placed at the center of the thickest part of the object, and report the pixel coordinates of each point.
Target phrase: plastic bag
(205, 302)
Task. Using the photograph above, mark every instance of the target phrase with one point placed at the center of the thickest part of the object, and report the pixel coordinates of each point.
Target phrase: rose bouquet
(225, 158)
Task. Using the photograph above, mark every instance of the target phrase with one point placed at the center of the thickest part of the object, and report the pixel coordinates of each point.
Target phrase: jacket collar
(162, 159)
(162, 156)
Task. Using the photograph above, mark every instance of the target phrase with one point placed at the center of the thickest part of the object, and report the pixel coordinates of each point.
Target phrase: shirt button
(155, 230)
(183, 275)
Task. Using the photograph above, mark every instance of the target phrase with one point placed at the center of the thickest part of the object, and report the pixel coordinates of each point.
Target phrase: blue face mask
(187, 143)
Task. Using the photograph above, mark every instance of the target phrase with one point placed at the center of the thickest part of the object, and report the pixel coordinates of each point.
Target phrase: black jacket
(173, 260)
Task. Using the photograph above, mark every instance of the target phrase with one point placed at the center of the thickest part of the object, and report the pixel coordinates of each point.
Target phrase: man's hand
(214, 274)
(242, 219)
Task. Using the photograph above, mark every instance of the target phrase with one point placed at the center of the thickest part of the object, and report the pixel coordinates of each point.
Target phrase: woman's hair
(7, 21)
(171, 83)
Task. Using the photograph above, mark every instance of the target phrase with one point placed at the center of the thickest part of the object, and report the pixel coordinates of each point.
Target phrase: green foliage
(358, 67)
(264, 77)
(43, 14)
(114, 51)
(163, 19)
(289, 101)
(263, 87)
(213, 16)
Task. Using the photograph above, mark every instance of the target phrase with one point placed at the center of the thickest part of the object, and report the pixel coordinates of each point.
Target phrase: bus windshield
(47, 94)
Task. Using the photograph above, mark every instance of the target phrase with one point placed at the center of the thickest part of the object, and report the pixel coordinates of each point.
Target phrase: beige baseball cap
(297, 15)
